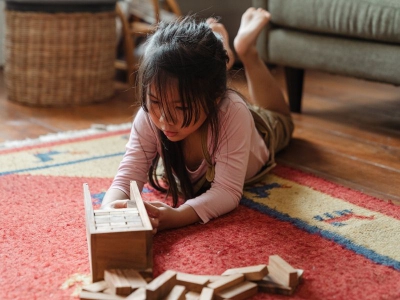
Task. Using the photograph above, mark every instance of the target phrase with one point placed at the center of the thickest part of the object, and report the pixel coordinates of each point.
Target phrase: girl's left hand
(163, 216)
(160, 215)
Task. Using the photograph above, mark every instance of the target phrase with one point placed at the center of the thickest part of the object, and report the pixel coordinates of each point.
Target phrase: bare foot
(253, 21)
(221, 30)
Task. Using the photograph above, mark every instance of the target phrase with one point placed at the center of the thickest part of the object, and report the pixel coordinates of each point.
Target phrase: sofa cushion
(367, 19)
(347, 57)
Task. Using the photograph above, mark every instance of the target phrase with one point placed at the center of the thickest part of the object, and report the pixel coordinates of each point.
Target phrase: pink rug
(347, 243)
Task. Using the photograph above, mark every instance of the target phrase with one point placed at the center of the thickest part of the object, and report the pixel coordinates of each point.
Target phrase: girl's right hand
(116, 204)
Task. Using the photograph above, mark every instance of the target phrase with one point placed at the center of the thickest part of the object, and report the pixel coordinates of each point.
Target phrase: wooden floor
(349, 131)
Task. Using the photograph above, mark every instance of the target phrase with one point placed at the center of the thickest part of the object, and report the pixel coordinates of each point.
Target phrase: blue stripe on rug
(61, 164)
(370, 254)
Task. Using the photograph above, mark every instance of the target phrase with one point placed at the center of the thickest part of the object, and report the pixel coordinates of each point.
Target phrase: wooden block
(207, 294)
(241, 291)
(210, 278)
(192, 282)
(160, 287)
(139, 294)
(85, 295)
(300, 273)
(117, 282)
(109, 291)
(192, 296)
(226, 282)
(96, 287)
(282, 272)
(109, 212)
(132, 245)
(147, 275)
(251, 273)
(134, 278)
(177, 293)
(267, 285)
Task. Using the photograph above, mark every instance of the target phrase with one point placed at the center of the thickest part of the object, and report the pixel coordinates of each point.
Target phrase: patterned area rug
(347, 243)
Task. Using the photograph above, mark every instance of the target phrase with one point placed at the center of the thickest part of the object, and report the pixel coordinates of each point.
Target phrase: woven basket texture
(59, 59)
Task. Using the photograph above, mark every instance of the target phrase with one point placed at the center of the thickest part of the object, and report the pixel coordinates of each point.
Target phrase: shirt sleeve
(231, 159)
(140, 152)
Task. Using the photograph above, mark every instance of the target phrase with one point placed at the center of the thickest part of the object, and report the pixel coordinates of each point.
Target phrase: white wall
(2, 32)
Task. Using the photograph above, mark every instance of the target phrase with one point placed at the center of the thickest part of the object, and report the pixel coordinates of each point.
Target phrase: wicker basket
(59, 59)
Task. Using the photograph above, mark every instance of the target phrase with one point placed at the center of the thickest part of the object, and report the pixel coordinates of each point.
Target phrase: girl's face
(169, 116)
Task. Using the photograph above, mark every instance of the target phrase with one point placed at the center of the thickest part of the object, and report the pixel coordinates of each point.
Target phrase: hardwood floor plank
(308, 122)
(356, 148)
(20, 121)
(344, 170)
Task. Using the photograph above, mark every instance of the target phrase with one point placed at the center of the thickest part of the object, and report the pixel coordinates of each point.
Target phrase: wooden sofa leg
(294, 82)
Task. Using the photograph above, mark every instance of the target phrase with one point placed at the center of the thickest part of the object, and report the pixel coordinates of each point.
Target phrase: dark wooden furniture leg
(294, 82)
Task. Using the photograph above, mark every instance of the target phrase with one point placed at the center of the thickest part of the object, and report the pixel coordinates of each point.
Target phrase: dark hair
(187, 52)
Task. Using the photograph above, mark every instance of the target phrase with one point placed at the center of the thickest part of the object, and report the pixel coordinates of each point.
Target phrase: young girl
(210, 141)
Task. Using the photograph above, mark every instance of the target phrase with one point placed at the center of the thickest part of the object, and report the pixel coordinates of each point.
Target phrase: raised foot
(253, 21)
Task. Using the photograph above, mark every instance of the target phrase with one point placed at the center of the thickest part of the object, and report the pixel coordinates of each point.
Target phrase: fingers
(116, 204)
(152, 209)
(154, 214)
(211, 20)
(158, 204)
(154, 223)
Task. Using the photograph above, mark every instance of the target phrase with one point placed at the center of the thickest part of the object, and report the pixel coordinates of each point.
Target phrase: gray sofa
(356, 38)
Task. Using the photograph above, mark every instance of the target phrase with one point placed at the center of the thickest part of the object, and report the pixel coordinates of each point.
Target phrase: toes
(211, 20)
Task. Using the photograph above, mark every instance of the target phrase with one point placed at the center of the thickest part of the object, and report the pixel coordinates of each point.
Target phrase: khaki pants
(277, 130)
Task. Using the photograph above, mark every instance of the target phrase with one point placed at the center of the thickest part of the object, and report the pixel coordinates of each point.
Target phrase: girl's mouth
(170, 133)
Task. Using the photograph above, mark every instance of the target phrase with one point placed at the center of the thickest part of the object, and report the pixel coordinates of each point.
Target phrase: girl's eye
(154, 102)
(181, 108)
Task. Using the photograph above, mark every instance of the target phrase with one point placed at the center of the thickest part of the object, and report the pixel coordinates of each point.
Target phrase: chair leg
(294, 82)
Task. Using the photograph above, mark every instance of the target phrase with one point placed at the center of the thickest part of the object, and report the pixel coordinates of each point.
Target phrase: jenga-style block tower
(118, 238)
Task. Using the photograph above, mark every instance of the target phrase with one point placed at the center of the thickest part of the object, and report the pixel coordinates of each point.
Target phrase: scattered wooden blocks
(96, 287)
(192, 295)
(117, 282)
(128, 230)
(281, 278)
(177, 293)
(192, 282)
(251, 273)
(268, 286)
(123, 282)
(85, 295)
(206, 294)
(281, 272)
(235, 284)
(161, 286)
(241, 291)
(139, 294)
(226, 282)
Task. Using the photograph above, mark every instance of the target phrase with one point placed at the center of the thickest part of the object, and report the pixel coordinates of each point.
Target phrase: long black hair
(187, 53)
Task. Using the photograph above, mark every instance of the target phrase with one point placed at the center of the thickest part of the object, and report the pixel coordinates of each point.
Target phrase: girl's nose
(164, 120)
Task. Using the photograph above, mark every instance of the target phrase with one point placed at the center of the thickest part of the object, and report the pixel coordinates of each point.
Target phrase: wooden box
(118, 238)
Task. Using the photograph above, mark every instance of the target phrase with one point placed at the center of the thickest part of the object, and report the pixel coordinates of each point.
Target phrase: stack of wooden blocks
(119, 238)
(120, 253)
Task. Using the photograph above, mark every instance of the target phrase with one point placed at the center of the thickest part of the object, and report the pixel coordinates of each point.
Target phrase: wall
(2, 32)
(229, 11)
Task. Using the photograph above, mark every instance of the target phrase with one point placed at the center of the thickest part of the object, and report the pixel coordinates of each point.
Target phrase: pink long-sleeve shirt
(240, 155)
